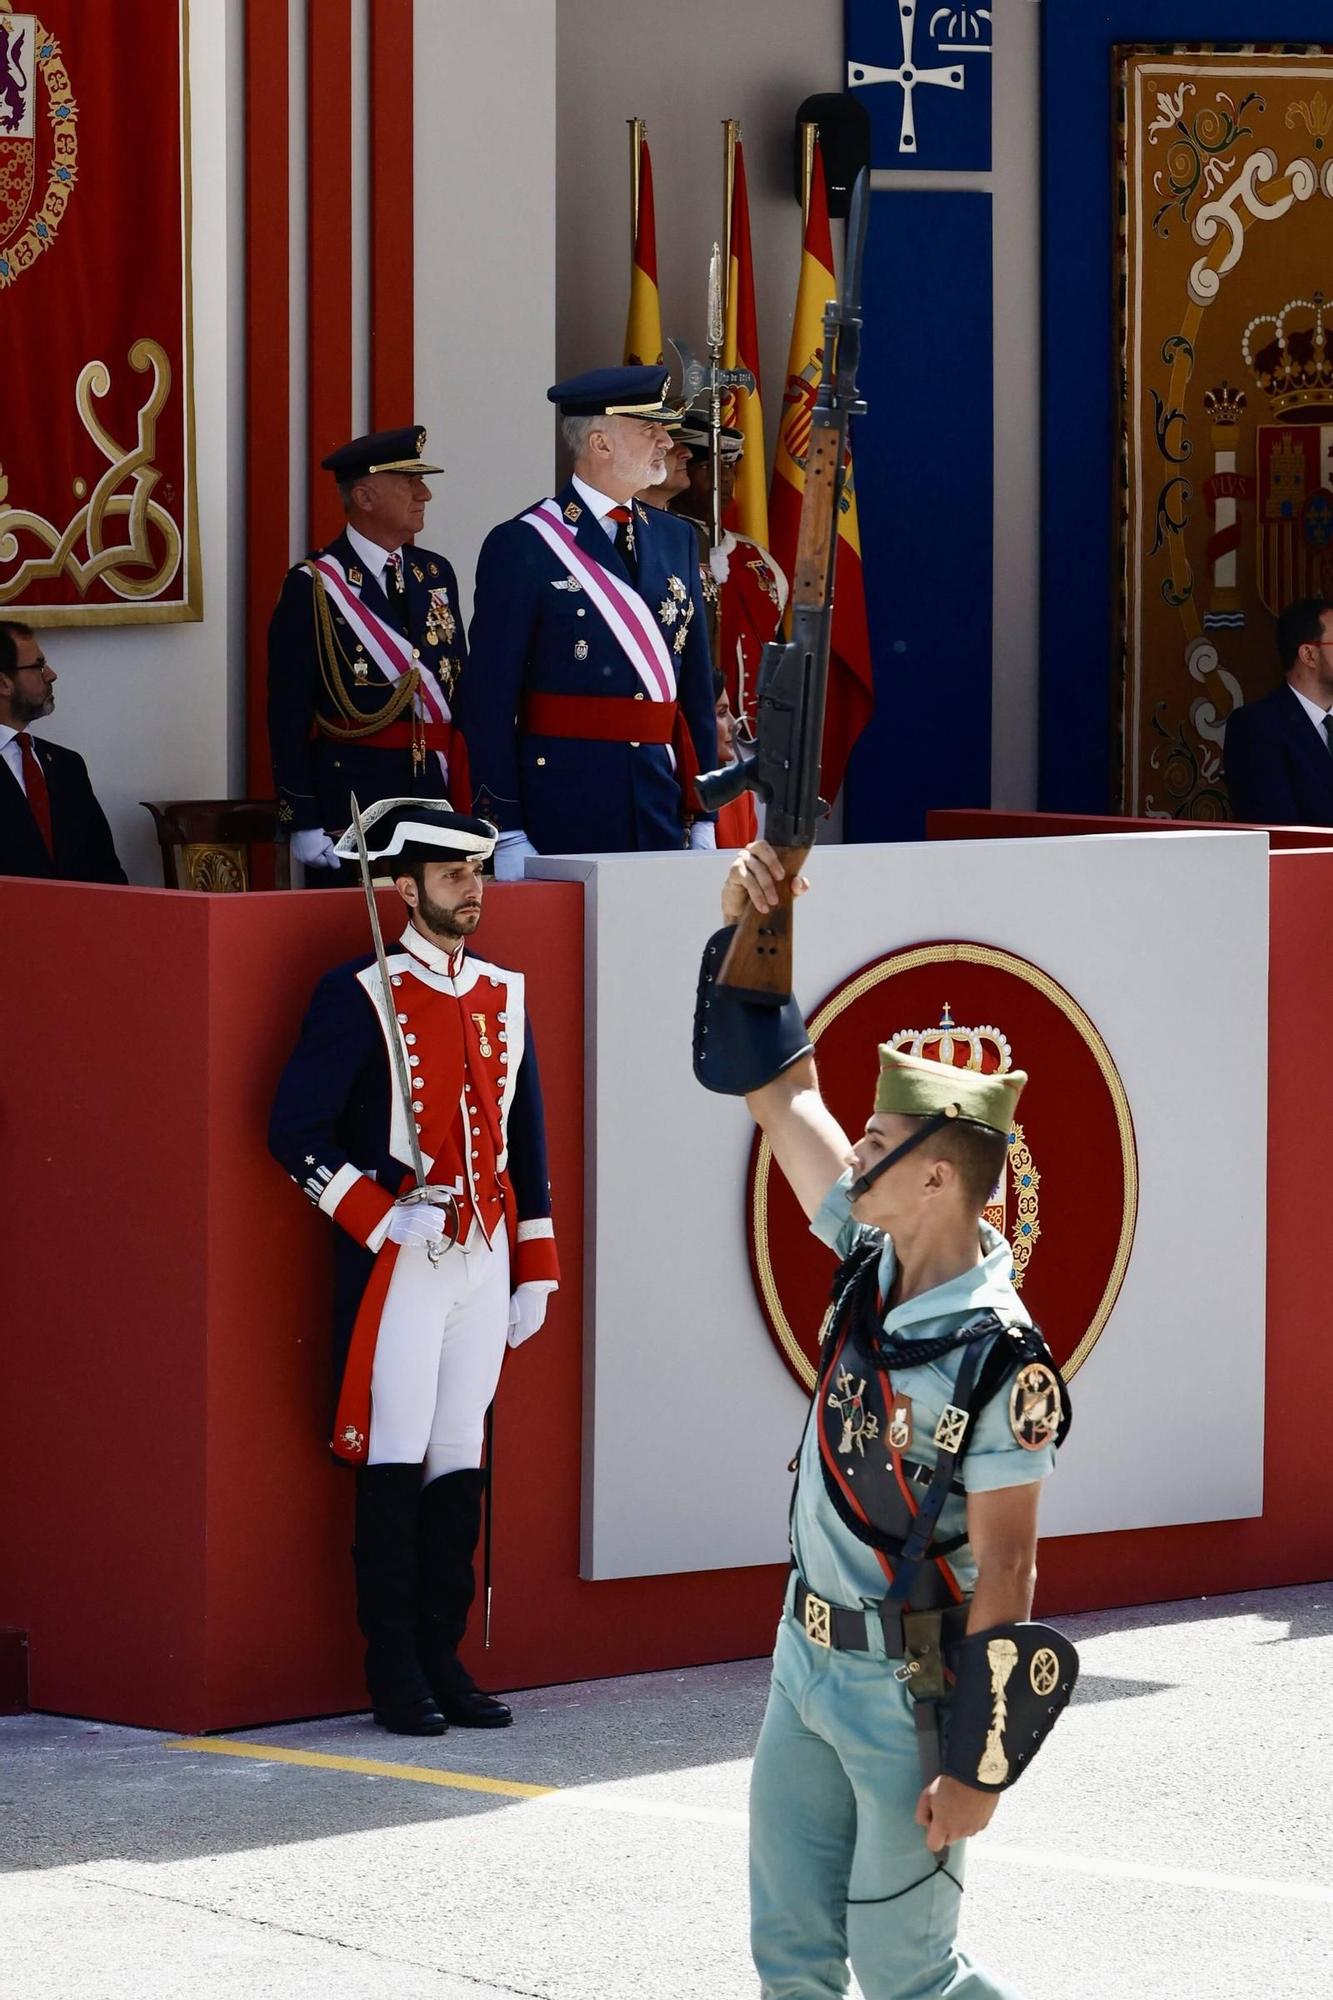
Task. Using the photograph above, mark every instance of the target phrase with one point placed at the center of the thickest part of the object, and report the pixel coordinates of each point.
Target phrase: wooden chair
(216, 844)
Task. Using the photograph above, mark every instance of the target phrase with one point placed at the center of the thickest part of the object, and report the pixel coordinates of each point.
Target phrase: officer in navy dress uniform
(364, 650)
(587, 716)
(429, 1289)
(910, 1684)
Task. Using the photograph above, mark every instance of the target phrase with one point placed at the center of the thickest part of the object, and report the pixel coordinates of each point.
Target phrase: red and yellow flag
(643, 328)
(748, 513)
(851, 688)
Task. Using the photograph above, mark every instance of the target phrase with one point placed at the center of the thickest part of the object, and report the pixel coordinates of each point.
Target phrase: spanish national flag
(851, 688)
(643, 328)
(748, 513)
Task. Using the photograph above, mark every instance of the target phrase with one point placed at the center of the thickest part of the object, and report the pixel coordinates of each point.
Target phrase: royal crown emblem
(987, 1050)
(1293, 368)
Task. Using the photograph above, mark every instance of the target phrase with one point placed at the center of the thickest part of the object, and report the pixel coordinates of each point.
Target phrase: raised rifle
(783, 769)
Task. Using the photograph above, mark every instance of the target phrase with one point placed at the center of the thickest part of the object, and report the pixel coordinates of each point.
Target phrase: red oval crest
(1069, 1202)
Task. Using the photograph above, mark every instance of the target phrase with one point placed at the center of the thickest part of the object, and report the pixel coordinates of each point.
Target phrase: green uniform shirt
(830, 1558)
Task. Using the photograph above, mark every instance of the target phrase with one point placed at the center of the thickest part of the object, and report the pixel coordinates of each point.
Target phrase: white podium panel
(690, 1415)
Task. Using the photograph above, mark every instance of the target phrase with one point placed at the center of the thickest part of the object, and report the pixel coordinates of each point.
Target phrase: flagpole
(637, 130)
(809, 136)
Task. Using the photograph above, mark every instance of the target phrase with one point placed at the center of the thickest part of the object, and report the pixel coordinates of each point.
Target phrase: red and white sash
(390, 651)
(629, 619)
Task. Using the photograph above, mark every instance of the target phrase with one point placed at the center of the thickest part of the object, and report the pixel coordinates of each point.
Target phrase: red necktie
(624, 537)
(34, 783)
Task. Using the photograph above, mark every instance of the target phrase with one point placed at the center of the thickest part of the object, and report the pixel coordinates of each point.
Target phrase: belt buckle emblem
(817, 1620)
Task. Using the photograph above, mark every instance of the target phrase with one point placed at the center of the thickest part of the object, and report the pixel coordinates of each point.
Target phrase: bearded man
(587, 698)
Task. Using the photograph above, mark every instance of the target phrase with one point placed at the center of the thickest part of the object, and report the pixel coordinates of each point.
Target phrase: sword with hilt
(431, 1193)
(710, 378)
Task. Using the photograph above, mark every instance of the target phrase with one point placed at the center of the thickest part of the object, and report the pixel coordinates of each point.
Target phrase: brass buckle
(817, 1620)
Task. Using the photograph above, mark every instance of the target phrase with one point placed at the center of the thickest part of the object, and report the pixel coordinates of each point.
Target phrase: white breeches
(438, 1355)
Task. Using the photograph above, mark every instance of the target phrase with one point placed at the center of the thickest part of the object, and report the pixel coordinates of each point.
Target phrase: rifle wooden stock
(758, 958)
(814, 544)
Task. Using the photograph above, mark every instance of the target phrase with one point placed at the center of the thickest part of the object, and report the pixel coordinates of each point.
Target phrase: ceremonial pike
(793, 674)
(710, 378)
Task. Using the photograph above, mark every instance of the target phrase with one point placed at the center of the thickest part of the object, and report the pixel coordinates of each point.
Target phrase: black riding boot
(450, 1525)
(385, 1556)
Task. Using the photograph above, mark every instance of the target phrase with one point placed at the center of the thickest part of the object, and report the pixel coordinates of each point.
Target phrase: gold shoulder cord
(331, 655)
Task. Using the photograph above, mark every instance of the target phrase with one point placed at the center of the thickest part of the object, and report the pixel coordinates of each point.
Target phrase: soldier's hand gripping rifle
(793, 674)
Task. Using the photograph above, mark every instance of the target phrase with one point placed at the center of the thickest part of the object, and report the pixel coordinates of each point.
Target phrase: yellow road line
(368, 1767)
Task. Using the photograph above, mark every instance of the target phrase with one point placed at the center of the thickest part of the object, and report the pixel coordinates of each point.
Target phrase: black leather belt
(848, 1631)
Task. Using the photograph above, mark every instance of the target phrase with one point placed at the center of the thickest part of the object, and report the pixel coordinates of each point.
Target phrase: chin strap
(864, 1182)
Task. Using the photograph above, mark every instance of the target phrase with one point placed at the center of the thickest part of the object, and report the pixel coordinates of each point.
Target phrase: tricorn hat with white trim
(419, 830)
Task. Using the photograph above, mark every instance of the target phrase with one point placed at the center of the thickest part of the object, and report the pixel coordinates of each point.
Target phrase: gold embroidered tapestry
(98, 519)
(1226, 292)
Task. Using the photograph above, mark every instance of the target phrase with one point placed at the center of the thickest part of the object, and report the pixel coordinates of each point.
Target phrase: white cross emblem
(907, 74)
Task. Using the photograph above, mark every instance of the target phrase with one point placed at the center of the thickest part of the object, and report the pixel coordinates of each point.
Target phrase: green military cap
(916, 1088)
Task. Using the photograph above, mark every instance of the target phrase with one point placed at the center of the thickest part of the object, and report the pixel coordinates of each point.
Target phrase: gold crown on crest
(1294, 369)
(984, 1049)
(1224, 406)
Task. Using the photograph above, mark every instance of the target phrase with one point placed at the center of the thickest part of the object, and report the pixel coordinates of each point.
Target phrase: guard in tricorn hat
(910, 1685)
(411, 1114)
(364, 650)
(587, 700)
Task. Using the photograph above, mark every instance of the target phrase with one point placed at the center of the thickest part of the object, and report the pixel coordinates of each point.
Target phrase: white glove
(415, 1222)
(511, 851)
(313, 849)
(703, 837)
(527, 1311)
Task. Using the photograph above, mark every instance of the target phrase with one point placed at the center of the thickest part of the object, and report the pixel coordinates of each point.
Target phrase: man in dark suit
(50, 822)
(587, 700)
(1279, 750)
(363, 651)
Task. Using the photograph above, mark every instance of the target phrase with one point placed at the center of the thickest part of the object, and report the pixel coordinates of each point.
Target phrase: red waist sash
(601, 718)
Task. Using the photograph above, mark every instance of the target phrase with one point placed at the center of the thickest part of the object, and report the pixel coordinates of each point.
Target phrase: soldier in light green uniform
(909, 1685)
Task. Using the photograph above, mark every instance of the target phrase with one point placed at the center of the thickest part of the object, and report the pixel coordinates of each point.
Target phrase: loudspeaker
(844, 141)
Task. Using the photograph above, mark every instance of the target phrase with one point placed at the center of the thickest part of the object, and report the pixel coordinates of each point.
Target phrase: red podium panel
(174, 1537)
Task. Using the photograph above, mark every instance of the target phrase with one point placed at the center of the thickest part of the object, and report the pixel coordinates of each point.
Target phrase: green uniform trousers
(835, 1785)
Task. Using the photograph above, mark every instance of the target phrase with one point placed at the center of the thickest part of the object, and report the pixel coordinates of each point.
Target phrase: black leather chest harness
(881, 1494)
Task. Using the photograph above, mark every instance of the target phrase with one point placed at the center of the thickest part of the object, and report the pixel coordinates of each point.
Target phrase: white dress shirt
(371, 555)
(1315, 713)
(13, 755)
(599, 505)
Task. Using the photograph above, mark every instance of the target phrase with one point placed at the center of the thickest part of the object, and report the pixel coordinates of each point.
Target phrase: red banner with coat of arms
(98, 518)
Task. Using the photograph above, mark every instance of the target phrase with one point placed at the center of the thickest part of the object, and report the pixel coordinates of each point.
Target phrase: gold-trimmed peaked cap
(916, 1088)
(615, 392)
(381, 451)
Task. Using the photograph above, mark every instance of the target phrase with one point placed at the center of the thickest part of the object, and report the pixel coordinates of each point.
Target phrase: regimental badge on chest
(860, 1426)
(899, 1433)
(441, 625)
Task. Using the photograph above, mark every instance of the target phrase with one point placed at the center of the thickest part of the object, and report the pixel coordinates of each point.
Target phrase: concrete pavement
(1173, 1841)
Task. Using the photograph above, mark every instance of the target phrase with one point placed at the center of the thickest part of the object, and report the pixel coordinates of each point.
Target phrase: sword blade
(397, 1050)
